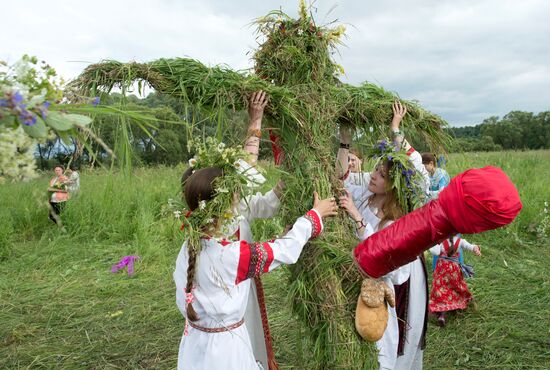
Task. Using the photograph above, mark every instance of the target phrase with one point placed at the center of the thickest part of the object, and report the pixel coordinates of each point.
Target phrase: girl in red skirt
(449, 289)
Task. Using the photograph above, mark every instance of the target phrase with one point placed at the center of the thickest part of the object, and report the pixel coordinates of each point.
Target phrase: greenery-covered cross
(307, 104)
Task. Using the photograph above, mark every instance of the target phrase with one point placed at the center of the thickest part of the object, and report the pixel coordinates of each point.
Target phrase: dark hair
(60, 166)
(428, 157)
(196, 186)
(199, 185)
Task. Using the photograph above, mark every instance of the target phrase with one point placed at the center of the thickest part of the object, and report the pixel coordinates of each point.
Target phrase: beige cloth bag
(371, 314)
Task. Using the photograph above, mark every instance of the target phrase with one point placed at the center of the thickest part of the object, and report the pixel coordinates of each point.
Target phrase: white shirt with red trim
(413, 271)
(221, 290)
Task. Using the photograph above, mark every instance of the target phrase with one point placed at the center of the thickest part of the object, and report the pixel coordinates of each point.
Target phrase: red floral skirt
(449, 290)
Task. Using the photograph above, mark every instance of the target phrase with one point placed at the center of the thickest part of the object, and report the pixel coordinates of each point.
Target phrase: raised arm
(343, 152)
(399, 112)
(256, 105)
(363, 229)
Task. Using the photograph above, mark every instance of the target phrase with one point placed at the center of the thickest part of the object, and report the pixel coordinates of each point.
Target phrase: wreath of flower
(238, 178)
(406, 181)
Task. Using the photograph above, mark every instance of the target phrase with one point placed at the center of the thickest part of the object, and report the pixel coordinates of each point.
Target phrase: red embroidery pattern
(254, 259)
(313, 217)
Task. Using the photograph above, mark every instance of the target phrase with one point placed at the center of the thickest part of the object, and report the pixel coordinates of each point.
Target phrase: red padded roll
(476, 200)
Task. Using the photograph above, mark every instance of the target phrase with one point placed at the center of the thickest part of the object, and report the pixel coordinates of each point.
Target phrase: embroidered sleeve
(258, 258)
(345, 176)
(254, 259)
(316, 222)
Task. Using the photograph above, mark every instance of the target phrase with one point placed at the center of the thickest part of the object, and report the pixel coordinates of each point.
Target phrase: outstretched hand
(325, 207)
(399, 112)
(256, 105)
(477, 250)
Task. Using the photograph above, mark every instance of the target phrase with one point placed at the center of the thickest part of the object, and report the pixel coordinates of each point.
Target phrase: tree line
(517, 130)
(166, 142)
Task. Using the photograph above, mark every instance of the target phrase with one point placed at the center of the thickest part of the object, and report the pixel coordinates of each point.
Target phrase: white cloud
(465, 60)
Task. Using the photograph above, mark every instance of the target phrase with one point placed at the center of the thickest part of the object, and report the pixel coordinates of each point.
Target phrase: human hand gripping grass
(256, 105)
(324, 207)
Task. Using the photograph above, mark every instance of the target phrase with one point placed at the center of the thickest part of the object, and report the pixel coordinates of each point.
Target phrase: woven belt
(217, 330)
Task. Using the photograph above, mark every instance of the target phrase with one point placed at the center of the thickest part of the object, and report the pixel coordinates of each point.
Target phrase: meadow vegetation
(61, 307)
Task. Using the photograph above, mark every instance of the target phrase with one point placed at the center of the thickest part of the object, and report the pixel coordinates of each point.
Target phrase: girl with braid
(213, 273)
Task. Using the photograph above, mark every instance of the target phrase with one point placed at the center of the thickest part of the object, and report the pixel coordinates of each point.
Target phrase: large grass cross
(307, 104)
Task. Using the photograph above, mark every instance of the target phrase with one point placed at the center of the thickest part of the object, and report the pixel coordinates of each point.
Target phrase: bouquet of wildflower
(406, 181)
(30, 93)
(60, 185)
(237, 182)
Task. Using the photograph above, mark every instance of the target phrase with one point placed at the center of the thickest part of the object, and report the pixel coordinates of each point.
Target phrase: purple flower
(95, 102)
(27, 117)
(382, 145)
(125, 261)
(17, 98)
(13, 101)
(44, 109)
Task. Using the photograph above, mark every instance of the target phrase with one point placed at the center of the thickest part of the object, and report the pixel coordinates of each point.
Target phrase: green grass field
(60, 307)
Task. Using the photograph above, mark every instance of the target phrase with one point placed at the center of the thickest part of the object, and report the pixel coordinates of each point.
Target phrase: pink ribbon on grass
(125, 261)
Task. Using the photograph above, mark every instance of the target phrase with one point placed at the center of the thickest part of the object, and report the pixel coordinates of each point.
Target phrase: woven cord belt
(217, 330)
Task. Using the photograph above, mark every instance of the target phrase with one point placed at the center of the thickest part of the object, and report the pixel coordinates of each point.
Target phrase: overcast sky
(464, 60)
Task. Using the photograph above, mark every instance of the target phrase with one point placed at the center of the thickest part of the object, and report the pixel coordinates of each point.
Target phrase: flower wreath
(406, 181)
(239, 178)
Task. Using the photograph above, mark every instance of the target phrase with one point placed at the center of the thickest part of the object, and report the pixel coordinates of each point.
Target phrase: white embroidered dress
(387, 346)
(223, 281)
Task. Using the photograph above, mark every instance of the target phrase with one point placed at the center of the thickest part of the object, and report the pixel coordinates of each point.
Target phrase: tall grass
(60, 307)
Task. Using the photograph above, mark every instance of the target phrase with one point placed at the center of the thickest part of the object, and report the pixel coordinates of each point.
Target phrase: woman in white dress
(374, 205)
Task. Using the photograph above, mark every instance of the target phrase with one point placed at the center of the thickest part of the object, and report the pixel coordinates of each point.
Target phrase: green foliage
(6, 235)
(29, 89)
(516, 130)
(296, 50)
